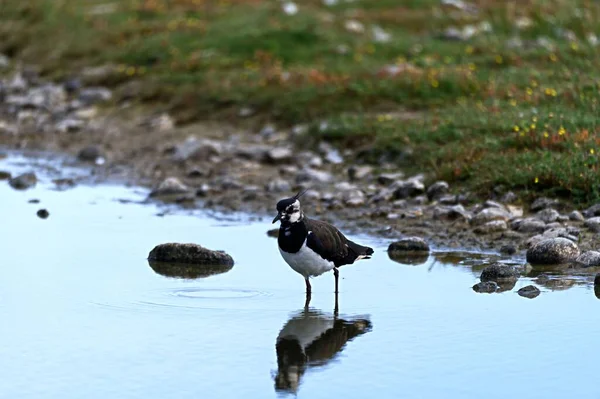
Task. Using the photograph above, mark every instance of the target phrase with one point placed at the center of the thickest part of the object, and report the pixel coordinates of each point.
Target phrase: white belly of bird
(307, 262)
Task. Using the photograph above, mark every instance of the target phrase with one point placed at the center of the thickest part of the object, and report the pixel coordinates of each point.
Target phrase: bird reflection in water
(312, 338)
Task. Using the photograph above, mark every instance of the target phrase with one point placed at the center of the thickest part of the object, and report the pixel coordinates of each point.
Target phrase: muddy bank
(218, 166)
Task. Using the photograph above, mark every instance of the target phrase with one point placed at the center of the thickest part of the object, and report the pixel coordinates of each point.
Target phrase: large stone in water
(189, 254)
(24, 181)
(553, 251)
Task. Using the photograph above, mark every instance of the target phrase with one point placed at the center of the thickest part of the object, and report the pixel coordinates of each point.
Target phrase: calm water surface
(85, 316)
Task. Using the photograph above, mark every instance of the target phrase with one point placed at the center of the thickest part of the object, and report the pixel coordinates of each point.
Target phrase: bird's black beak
(277, 217)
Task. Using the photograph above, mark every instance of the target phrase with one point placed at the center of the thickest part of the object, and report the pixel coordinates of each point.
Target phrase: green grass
(478, 113)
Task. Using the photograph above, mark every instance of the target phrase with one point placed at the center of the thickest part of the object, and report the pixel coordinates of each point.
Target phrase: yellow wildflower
(546, 135)
(469, 50)
(561, 131)
(516, 128)
(499, 59)
(537, 180)
(592, 151)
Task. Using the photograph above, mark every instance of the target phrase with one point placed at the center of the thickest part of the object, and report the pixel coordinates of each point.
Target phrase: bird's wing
(326, 240)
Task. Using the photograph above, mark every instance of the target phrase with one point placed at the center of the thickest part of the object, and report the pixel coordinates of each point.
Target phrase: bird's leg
(308, 294)
(336, 308)
(336, 273)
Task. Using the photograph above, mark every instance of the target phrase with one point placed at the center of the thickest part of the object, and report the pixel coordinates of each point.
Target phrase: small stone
(354, 197)
(273, 233)
(589, 259)
(543, 203)
(500, 273)
(4, 175)
(451, 213)
(407, 188)
(89, 154)
(279, 155)
(389, 178)
(190, 254)
(203, 190)
(437, 190)
(576, 216)
(309, 174)
(509, 198)
(359, 172)
(34, 201)
(331, 154)
(508, 249)
(278, 186)
(530, 291)
(4, 61)
(246, 112)
(43, 214)
(161, 123)
(553, 251)
(490, 214)
(530, 225)
(547, 215)
(24, 181)
(592, 211)
(409, 244)
(486, 287)
(170, 186)
(94, 95)
(593, 224)
(491, 227)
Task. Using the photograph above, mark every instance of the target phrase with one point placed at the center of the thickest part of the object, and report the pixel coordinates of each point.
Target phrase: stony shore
(220, 166)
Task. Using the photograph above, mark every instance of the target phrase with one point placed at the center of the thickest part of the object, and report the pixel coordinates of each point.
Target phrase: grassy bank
(512, 102)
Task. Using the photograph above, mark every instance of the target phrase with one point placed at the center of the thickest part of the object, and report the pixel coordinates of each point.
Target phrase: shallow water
(85, 316)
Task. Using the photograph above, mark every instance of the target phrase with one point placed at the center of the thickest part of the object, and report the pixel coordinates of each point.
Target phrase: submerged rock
(43, 214)
(552, 251)
(530, 291)
(24, 181)
(486, 287)
(189, 254)
(170, 186)
(5, 175)
(499, 273)
(273, 233)
(589, 259)
(409, 244)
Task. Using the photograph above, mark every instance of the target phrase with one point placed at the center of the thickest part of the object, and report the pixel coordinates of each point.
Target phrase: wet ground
(84, 315)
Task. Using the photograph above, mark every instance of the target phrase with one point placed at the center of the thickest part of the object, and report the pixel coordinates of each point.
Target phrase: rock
(160, 123)
(170, 186)
(543, 203)
(592, 211)
(437, 190)
(187, 271)
(203, 190)
(279, 155)
(70, 125)
(455, 212)
(246, 112)
(597, 280)
(409, 244)
(98, 74)
(552, 251)
(490, 214)
(331, 154)
(486, 287)
(593, 224)
(354, 197)
(278, 186)
(530, 291)
(529, 225)
(499, 273)
(4, 175)
(491, 227)
(547, 215)
(359, 172)
(4, 61)
(389, 178)
(89, 154)
(43, 214)
(576, 216)
(190, 254)
(71, 85)
(193, 149)
(509, 198)
(24, 181)
(508, 249)
(93, 95)
(309, 174)
(273, 233)
(589, 259)
(33, 201)
(407, 188)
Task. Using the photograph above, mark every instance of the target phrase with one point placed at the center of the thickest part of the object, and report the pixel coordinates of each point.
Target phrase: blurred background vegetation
(480, 93)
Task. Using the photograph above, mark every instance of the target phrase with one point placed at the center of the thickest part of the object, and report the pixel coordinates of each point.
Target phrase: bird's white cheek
(294, 217)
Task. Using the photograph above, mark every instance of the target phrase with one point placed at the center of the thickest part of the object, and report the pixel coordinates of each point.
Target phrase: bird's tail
(361, 252)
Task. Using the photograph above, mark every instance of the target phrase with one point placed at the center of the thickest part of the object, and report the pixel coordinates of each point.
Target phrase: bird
(313, 247)
(311, 338)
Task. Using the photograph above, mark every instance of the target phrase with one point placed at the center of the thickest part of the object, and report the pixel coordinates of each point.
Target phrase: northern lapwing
(313, 247)
(311, 339)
